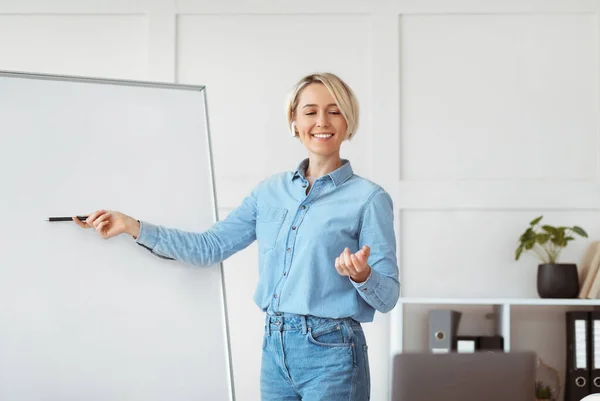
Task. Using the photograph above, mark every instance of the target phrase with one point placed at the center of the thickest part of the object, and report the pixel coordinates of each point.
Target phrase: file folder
(577, 383)
(443, 330)
(594, 350)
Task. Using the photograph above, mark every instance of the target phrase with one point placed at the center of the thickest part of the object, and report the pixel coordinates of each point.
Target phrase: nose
(323, 120)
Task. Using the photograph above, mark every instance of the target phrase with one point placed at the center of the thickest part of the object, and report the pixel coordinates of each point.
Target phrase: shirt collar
(338, 176)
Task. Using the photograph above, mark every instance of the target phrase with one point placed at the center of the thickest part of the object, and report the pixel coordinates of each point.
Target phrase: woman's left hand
(354, 265)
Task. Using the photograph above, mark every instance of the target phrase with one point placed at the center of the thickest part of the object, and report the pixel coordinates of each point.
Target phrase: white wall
(476, 116)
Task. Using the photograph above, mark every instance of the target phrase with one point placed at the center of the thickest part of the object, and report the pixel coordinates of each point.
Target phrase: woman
(327, 257)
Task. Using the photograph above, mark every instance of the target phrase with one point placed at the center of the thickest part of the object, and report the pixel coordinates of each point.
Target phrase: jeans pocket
(335, 336)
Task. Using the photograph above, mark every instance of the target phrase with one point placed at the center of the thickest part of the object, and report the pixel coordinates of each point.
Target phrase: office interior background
(476, 116)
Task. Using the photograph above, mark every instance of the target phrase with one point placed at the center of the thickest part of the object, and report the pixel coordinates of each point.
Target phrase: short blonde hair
(340, 91)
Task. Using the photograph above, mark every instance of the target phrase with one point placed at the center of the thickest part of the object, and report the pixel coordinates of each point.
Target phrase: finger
(363, 254)
(346, 257)
(366, 250)
(94, 216)
(343, 269)
(79, 222)
(338, 267)
(359, 265)
(102, 218)
(348, 262)
(101, 226)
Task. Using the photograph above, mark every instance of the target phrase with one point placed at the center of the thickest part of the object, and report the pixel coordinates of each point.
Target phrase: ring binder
(577, 384)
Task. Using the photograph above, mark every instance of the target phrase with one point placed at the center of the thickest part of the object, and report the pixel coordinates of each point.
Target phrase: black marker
(82, 218)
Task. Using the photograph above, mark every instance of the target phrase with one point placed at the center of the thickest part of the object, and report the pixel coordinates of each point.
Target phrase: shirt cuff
(148, 235)
(369, 285)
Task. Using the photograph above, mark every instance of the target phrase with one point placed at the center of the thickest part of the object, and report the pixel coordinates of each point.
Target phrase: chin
(323, 151)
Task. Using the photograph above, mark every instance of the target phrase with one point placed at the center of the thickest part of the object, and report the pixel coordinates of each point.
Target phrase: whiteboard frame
(163, 85)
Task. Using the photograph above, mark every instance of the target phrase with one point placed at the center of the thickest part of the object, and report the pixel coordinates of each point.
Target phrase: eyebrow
(314, 105)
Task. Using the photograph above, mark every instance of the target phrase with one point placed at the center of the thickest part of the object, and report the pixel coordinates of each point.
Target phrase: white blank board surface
(81, 317)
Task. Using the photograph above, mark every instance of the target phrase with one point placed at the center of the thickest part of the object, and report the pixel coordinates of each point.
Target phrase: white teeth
(324, 136)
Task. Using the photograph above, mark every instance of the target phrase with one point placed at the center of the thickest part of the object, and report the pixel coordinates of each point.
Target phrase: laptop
(489, 376)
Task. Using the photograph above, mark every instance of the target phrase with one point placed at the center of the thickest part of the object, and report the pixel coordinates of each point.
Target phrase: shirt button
(293, 227)
(289, 249)
(303, 207)
(275, 296)
(303, 185)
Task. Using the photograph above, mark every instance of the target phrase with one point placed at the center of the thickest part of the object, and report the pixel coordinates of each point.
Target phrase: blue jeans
(309, 358)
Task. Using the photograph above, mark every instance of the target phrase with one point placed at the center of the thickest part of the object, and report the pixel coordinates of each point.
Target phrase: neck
(319, 166)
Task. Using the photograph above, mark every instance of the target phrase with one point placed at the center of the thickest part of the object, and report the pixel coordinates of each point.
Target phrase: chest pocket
(269, 221)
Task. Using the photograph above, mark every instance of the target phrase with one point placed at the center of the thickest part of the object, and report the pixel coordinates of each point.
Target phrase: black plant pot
(558, 280)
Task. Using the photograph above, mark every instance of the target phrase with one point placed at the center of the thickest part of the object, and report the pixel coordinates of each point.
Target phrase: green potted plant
(546, 242)
(542, 391)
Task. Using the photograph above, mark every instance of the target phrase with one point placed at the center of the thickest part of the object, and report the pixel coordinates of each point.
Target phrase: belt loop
(348, 325)
(350, 331)
(268, 325)
(304, 324)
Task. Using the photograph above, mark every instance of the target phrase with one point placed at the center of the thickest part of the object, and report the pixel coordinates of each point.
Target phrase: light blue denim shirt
(299, 236)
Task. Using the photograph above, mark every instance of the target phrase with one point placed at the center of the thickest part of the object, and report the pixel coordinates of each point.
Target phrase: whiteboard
(81, 317)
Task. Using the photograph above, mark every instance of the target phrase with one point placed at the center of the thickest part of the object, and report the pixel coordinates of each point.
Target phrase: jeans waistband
(290, 321)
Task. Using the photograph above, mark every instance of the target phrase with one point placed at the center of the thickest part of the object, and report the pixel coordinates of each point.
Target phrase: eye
(310, 113)
(334, 112)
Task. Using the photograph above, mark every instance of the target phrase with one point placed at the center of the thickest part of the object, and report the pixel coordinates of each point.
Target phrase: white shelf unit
(500, 312)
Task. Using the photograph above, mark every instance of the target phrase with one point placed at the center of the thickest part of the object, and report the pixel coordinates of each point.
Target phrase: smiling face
(319, 122)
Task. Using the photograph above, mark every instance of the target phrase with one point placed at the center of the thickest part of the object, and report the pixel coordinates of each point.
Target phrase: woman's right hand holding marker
(110, 223)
